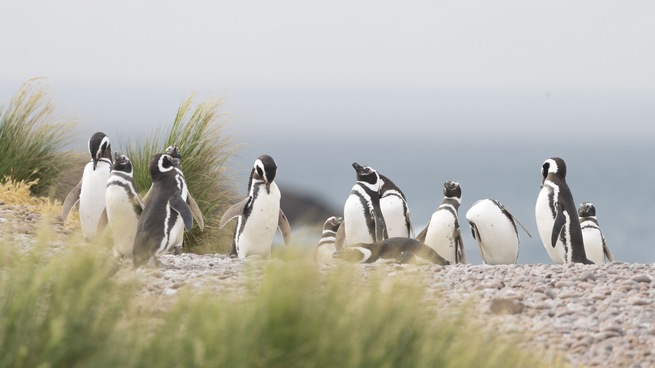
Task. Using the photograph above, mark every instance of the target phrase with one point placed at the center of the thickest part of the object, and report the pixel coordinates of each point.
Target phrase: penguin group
(141, 229)
(376, 224)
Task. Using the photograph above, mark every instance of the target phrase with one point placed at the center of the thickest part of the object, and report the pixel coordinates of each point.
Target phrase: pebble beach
(589, 315)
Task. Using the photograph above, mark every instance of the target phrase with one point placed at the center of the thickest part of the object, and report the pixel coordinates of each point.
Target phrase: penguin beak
(177, 162)
(95, 163)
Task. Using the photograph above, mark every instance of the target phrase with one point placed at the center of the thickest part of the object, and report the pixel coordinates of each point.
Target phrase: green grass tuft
(72, 311)
(32, 138)
(205, 147)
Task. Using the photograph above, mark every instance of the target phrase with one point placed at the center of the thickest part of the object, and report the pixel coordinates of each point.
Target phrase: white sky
(547, 44)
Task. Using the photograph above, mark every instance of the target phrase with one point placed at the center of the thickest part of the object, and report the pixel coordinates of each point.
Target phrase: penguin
(123, 207)
(493, 228)
(363, 221)
(557, 220)
(395, 210)
(90, 192)
(595, 245)
(167, 208)
(326, 247)
(174, 152)
(259, 214)
(401, 249)
(442, 232)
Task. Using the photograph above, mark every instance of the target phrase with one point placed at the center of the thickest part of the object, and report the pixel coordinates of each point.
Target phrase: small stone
(637, 301)
(566, 294)
(561, 284)
(586, 276)
(641, 278)
(169, 292)
(551, 293)
(542, 305)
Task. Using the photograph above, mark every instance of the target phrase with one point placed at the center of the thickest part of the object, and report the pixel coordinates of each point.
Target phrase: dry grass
(33, 137)
(19, 193)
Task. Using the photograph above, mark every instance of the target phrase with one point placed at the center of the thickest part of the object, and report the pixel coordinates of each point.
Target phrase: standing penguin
(123, 209)
(595, 245)
(259, 214)
(90, 192)
(557, 219)
(395, 210)
(493, 228)
(442, 232)
(174, 152)
(326, 247)
(165, 210)
(363, 221)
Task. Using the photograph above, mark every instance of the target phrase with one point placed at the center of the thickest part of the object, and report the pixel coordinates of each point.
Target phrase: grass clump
(200, 135)
(32, 138)
(19, 193)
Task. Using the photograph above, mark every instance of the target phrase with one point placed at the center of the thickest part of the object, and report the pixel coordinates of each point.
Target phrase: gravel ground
(592, 315)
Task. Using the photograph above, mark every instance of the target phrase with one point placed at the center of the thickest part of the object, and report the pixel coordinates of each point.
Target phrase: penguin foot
(178, 250)
(153, 262)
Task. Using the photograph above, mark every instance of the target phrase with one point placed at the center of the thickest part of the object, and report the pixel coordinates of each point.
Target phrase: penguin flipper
(421, 236)
(380, 227)
(145, 197)
(607, 251)
(476, 236)
(234, 211)
(195, 210)
(180, 206)
(517, 220)
(340, 238)
(408, 219)
(560, 221)
(460, 251)
(285, 229)
(103, 221)
(71, 199)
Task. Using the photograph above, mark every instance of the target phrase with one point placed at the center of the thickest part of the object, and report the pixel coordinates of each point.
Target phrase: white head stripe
(161, 164)
(260, 164)
(552, 167)
(102, 143)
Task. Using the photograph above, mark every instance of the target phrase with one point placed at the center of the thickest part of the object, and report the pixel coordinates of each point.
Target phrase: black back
(565, 203)
(393, 248)
(150, 230)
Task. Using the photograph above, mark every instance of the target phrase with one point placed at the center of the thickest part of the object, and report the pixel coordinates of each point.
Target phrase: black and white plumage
(442, 232)
(326, 246)
(557, 218)
(90, 192)
(363, 221)
(165, 214)
(259, 214)
(493, 228)
(123, 207)
(401, 249)
(395, 210)
(174, 152)
(595, 246)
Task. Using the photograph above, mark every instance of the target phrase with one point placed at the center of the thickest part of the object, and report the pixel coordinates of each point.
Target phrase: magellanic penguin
(493, 228)
(363, 221)
(557, 219)
(90, 192)
(166, 209)
(595, 245)
(123, 207)
(326, 247)
(442, 232)
(174, 152)
(401, 249)
(395, 210)
(259, 214)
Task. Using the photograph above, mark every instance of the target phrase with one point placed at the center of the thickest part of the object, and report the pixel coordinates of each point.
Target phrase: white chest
(92, 196)
(441, 235)
(593, 244)
(498, 241)
(393, 210)
(256, 238)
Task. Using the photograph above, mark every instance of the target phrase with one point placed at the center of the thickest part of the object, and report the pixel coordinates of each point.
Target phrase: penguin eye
(260, 172)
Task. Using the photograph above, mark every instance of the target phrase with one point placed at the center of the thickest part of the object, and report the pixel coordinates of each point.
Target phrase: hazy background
(477, 92)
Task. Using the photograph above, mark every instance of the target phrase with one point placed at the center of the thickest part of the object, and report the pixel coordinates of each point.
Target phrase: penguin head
(122, 164)
(160, 164)
(367, 175)
(587, 210)
(451, 189)
(554, 166)
(264, 169)
(174, 152)
(99, 146)
(332, 223)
